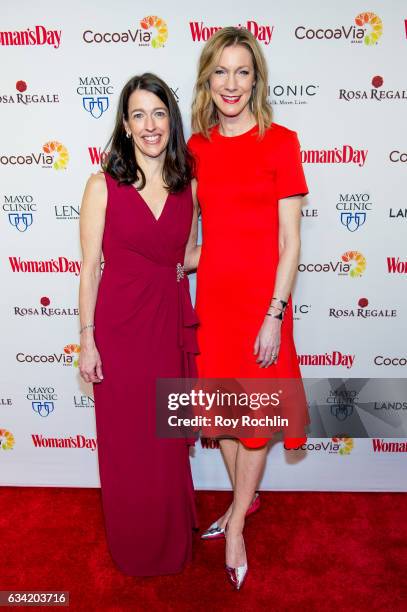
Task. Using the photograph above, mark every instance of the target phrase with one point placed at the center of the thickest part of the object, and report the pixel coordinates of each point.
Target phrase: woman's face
(149, 123)
(232, 80)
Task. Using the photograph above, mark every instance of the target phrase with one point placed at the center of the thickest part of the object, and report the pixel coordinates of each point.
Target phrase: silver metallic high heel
(236, 575)
(214, 532)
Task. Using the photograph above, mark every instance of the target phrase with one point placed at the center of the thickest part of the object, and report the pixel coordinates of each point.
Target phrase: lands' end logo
(39, 36)
(355, 35)
(6, 439)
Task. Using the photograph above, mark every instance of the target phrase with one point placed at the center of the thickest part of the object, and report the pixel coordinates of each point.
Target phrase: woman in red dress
(250, 188)
(138, 324)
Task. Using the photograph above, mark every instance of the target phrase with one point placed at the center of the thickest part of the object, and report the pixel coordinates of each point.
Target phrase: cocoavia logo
(6, 439)
(376, 27)
(369, 31)
(59, 153)
(162, 31)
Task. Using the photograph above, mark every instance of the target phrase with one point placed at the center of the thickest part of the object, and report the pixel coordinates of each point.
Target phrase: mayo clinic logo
(368, 31)
(95, 92)
(42, 400)
(153, 32)
(353, 209)
(19, 211)
(43, 408)
(21, 221)
(342, 402)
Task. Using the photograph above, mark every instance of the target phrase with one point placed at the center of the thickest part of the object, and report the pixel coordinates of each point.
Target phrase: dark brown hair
(121, 161)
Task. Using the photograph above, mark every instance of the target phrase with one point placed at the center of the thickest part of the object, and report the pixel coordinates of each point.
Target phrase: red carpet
(307, 551)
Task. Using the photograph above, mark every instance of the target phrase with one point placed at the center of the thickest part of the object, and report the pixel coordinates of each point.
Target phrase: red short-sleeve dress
(240, 181)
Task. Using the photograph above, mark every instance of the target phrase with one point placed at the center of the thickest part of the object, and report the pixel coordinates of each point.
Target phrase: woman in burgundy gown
(138, 324)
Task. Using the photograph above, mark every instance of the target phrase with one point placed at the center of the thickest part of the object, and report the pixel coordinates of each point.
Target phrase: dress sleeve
(290, 179)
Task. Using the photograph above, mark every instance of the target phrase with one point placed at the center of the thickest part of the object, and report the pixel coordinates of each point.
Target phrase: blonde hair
(204, 112)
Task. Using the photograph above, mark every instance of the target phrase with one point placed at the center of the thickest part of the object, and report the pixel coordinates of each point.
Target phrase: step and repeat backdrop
(337, 77)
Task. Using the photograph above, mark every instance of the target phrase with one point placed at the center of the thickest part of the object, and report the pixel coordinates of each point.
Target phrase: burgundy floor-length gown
(144, 329)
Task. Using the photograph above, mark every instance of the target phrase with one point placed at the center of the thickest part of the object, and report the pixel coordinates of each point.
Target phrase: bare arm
(289, 214)
(92, 222)
(267, 342)
(193, 251)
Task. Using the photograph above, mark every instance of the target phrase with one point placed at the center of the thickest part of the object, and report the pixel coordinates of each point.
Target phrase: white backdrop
(345, 94)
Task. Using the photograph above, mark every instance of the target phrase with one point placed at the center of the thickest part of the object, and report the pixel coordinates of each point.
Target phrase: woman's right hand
(90, 364)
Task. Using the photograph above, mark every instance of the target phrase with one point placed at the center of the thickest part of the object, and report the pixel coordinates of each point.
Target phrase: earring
(128, 134)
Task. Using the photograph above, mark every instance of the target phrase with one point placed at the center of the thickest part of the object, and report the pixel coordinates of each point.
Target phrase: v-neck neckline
(156, 219)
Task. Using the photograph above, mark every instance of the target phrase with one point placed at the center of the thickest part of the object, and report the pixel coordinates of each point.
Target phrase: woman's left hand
(267, 344)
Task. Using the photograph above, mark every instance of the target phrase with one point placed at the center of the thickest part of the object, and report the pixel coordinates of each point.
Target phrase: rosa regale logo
(160, 25)
(59, 153)
(346, 444)
(376, 92)
(374, 22)
(360, 261)
(7, 440)
(73, 350)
